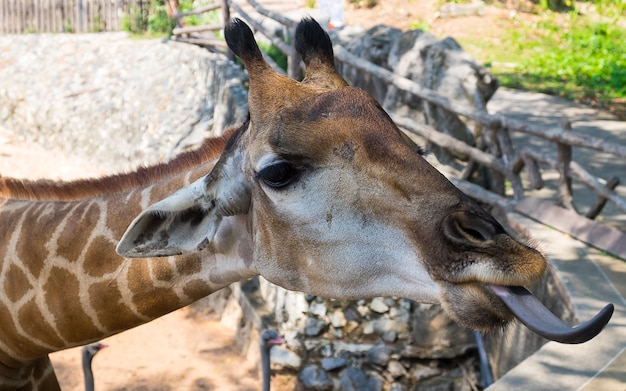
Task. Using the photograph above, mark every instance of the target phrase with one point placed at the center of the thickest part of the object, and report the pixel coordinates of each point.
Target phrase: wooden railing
(508, 163)
(197, 34)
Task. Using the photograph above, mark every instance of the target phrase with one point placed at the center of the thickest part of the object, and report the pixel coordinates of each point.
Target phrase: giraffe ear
(187, 220)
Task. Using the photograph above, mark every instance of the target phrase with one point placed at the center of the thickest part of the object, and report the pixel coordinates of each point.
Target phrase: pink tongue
(539, 319)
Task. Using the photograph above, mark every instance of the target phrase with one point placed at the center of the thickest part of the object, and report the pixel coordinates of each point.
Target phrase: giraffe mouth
(534, 315)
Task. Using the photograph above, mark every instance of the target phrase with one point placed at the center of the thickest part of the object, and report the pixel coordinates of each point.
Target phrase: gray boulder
(438, 64)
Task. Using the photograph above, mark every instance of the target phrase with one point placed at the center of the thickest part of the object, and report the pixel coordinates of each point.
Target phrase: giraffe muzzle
(534, 315)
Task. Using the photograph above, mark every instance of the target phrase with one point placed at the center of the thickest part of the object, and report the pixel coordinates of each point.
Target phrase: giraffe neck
(62, 283)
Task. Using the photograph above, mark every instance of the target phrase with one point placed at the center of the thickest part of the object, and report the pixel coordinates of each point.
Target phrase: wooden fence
(58, 16)
(507, 162)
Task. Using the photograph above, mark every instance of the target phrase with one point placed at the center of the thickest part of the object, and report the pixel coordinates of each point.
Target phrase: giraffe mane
(50, 190)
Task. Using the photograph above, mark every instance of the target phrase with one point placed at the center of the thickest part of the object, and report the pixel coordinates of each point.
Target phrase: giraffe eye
(278, 175)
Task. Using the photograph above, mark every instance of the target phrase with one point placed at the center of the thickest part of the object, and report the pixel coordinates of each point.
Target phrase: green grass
(582, 60)
(569, 55)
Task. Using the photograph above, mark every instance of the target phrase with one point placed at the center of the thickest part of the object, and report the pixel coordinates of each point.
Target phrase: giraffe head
(337, 201)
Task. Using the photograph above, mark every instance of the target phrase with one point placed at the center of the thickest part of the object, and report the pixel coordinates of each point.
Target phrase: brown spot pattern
(161, 269)
(81, 224)
(123, 216)
(138, 275)
(188, 264)
(61, 294)
(101, 258)
(33, 322)
(35, 241)
(106, 299)
(16, 284)
(8, 331)
(156, 302)
(45, 374)
(196, 289)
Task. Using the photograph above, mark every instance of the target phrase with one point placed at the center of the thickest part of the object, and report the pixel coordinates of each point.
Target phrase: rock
(368, 327)
(435, 335)
(421, 372)
(396, 369)
(396, 387)
(313, 327)
(372, 45)
(292, 338)
(375, 382)
(326, 350)
(378, 305)
(353, 379)
(351, 326)
(332, 363)
(363, 310)
(282, 358)
(318, 309)
(380, 326)
(390, 336)
(314, 378)
(437, 384)
(337, 318)
(399, 314)
(352, 314)
(117, 101)
(379, 354)
(353, 348)
(311, 344)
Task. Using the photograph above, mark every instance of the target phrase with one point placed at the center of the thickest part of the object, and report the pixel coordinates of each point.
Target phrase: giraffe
(318, 191)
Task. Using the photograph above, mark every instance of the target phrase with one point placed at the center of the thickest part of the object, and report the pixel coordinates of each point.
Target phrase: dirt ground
(184, 350)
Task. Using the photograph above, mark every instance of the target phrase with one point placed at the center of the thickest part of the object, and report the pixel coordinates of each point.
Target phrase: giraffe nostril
(470, 227)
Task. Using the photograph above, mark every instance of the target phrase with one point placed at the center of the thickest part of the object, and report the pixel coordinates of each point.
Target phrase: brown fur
(48, 190)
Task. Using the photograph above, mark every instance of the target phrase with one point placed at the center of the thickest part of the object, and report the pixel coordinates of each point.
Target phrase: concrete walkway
(591, 276)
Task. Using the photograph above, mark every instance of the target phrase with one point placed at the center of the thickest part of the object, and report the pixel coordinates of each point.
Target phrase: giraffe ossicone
(319, 191)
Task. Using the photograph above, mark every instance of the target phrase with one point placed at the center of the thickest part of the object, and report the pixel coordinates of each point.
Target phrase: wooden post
(226, 19)
(494, 180)
(534, 174)
(564, 159)
(293, 59)
(45, 16)
(595, 210)
(507, 153)
(34, 17)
